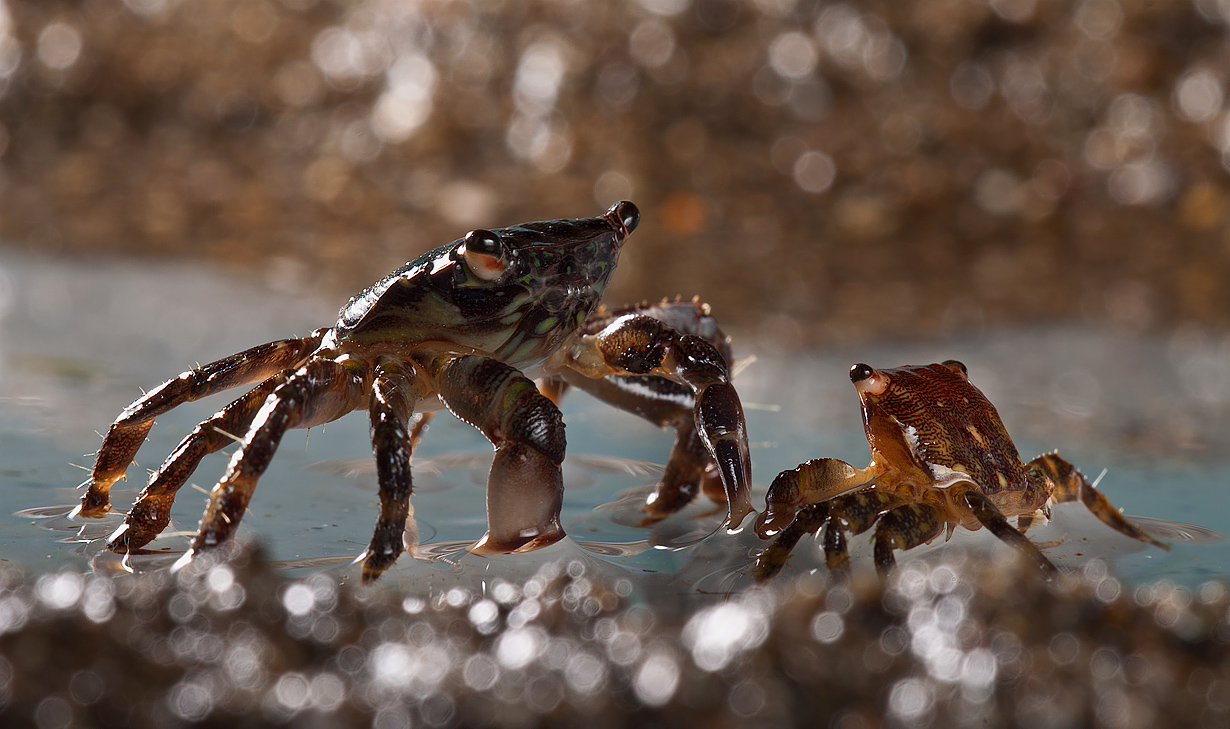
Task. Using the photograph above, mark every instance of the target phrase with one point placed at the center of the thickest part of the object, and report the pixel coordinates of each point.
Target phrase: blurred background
(1040, 188)
(823, 172)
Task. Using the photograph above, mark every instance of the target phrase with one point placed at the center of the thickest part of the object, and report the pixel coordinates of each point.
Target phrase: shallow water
(78, 341)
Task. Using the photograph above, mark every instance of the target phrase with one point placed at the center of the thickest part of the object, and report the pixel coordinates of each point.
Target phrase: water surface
(78, 342)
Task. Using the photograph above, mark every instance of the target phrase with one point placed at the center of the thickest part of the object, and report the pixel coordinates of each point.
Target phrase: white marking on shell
(437, 265)
(945, 476)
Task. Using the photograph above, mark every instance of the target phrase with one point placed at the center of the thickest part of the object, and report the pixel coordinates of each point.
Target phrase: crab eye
(484, 254)
(958, 365)
(627, 214)
(860, 372)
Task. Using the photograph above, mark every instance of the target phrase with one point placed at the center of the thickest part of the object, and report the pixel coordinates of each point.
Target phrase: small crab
(940, 458)
(464, 327)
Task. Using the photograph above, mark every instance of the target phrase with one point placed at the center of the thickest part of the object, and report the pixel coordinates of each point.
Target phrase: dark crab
(940, 458)
(464, 326)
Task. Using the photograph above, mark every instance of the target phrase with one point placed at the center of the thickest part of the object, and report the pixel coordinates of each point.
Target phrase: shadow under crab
(465, 326)
(940, 459)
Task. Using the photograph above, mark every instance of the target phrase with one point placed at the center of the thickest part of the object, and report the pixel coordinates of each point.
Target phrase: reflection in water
(687, 550)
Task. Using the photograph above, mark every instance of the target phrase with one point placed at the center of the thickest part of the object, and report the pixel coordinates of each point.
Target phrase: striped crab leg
(128, 431)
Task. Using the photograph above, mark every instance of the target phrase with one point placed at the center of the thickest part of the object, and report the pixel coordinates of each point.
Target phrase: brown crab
(940, 458)
(464, 326)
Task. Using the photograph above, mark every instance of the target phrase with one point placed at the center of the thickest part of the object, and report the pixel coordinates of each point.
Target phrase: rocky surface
(956, 643)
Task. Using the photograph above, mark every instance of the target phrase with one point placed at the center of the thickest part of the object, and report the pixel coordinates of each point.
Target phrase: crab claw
(815, 480)
(775, 518)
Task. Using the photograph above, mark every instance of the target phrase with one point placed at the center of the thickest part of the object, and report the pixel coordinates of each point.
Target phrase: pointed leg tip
(485, 547)
(1048, 568)
(541, 541)
(118, 540)
(91, 507)
(183, 561)
(656, 509)
(376, 564)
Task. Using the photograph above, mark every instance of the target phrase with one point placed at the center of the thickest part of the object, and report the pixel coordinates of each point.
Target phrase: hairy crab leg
(394, 393)
(640, 345)
(836, 550)
(816, 480)
(904, 527)
(993, 519)
(1071, 484)
(320, 391)
(128, 431)
(525, 487)
(152, 510)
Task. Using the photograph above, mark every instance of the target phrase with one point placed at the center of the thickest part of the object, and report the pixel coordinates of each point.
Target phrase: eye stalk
(867, 381)
(484, 254)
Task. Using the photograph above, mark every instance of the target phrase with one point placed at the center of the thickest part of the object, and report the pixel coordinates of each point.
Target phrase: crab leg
(128, 431)
(836, 550)
(320, 391)
(996, 523)
(640, 345)
(663, 403)
(152, 510)
(1071, 484)
(525, 487)
(394, 393)
(687, 471)
(904, 527)
(773, 558)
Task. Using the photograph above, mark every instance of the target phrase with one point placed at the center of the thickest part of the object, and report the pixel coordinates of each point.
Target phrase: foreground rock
(955, 644)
